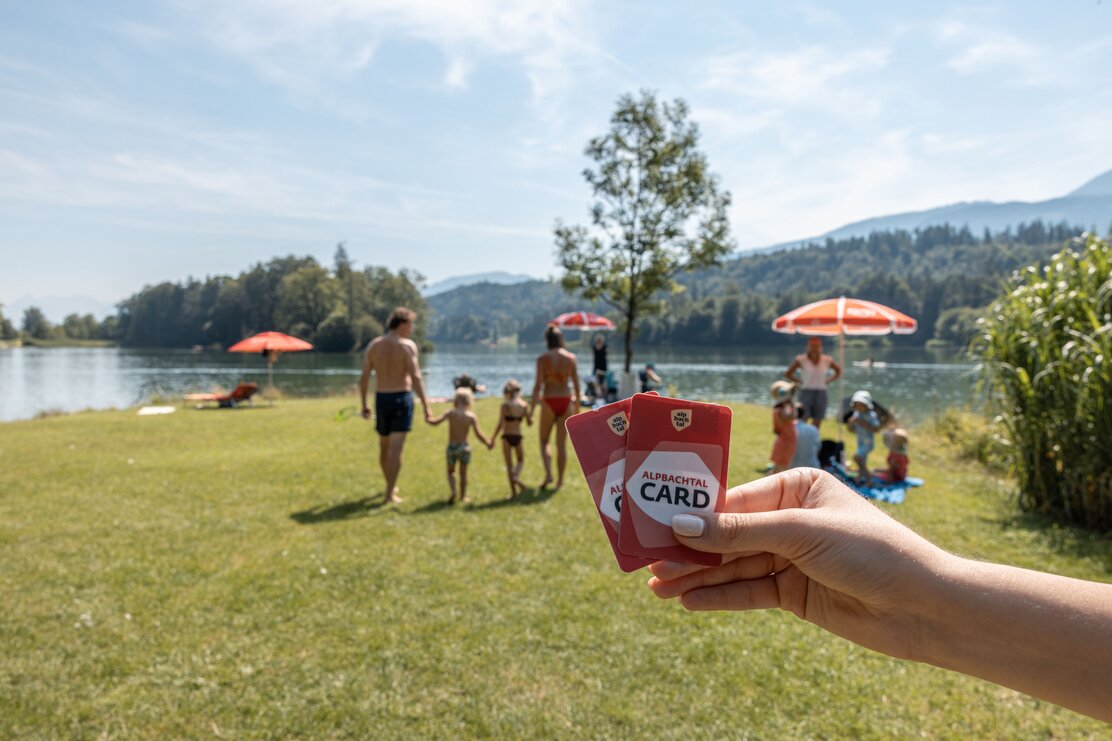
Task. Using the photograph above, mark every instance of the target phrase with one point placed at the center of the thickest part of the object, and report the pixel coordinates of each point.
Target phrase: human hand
(366, 413)
(804, 542)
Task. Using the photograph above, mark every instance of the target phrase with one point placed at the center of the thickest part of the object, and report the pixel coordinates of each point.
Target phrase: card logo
(619, 424)
(669, 483)
(681, 419)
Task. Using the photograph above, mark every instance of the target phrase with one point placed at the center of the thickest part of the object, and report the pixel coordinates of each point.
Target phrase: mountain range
(1089, 206)
(497, 277)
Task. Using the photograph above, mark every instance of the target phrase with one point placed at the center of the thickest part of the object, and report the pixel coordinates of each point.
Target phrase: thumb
(776, 532)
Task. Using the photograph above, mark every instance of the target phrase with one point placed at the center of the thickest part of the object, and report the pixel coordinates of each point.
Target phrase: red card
(599, 439)
(677, 457)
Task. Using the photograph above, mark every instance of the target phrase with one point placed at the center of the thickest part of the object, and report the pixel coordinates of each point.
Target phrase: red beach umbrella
(273, 344)
(841, 316)
(582, 320)
(265, 341)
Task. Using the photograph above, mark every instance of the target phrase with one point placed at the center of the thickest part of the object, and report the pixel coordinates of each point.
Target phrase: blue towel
(882, 492)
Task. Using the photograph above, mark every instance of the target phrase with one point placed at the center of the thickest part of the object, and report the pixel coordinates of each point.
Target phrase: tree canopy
(658, 212)
(289, 294)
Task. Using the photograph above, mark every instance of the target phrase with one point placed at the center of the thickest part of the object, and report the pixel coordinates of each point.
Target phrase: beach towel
(893, 493)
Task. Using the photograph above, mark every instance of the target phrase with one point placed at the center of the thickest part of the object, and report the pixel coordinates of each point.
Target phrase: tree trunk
(631, 313)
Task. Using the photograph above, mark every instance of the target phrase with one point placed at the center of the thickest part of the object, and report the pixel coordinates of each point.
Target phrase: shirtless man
(393, 358)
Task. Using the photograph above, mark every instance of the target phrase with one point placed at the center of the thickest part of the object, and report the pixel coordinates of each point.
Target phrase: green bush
(973, 437)
(1047, 346)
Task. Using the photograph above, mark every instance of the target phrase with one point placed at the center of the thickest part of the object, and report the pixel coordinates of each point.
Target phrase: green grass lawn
(227, 573)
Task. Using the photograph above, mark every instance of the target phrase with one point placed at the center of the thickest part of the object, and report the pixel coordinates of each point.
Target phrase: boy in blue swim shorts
(461, 420)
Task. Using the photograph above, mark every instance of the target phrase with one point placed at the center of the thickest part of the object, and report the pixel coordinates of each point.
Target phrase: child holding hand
(461, 420)
(513, 410)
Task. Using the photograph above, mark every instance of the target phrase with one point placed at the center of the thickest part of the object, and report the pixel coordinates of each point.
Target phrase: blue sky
(149, 141)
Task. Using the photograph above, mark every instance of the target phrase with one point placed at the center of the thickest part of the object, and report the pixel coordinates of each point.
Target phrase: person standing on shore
(393, 358)
(556, 370)
(815, 370)
(600, 364)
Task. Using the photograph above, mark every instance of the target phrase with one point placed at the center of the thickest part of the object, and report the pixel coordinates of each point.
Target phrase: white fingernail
(688, 525)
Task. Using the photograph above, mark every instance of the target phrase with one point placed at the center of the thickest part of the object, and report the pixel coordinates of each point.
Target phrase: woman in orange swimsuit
(556, 367)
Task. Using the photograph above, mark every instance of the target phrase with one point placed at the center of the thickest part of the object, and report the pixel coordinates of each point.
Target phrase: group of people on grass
(796, 423)
(802, 541)
(393, 361)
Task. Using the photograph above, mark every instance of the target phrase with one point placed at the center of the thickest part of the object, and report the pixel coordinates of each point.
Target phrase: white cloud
(728, 123)
(813, 76)
(456, 75)
(1002, 50)
(980, 48)
(304, 44)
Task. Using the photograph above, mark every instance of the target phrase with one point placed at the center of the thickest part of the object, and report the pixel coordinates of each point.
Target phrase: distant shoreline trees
(943, 276)
(336, 310)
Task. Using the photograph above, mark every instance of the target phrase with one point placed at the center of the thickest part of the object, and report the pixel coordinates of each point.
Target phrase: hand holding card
(677, 457)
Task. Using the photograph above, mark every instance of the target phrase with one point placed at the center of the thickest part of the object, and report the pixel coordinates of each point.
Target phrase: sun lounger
(239, 394)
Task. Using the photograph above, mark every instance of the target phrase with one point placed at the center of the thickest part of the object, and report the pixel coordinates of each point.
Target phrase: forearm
(1048, 636)
(364, 385)
(419, 389)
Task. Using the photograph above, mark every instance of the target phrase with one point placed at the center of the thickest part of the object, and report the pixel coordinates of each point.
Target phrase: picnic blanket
(881, 491)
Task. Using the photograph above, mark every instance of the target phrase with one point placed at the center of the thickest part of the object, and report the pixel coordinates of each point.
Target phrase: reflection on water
(914, 382)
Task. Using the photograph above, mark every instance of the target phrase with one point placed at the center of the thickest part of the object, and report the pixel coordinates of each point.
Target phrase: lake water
(914, 382)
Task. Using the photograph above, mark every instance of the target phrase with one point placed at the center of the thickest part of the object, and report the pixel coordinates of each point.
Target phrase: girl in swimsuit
(513, 410)
(556, 368)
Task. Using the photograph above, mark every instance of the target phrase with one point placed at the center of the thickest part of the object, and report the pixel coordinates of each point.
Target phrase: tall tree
(344, 272)
(658, 212)
(36, 324)
(7, 329)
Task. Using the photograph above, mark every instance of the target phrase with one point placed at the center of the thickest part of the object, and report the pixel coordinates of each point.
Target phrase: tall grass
(1047, 351)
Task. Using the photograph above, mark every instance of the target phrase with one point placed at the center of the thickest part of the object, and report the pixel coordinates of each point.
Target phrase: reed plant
(1046, 345)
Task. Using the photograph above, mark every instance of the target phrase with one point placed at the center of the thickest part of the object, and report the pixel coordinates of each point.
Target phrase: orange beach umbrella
(841, 316)
(271, 343)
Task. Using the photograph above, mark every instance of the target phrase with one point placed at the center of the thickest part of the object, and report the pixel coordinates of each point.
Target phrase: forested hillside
(485, 311)
(942, 276)
(337, 309)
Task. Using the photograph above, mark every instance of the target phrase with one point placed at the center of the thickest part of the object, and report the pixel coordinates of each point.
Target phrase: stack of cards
(649, 458)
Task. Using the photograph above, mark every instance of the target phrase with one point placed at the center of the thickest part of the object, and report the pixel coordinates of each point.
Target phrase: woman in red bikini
(556, 367)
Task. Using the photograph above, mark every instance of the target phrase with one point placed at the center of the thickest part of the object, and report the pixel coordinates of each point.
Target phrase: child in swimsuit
(896, 442)
(865, 422)
(461, 420)
(783, 427)
(513, 410)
